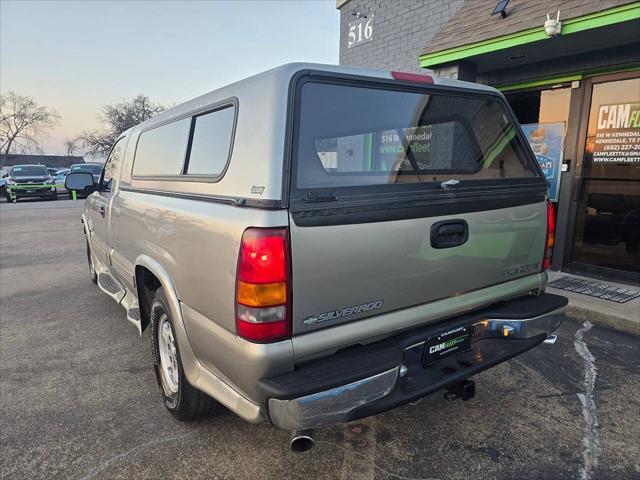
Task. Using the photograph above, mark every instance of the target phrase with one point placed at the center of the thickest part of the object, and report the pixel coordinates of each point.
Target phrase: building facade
(571, 72)
(54, 161)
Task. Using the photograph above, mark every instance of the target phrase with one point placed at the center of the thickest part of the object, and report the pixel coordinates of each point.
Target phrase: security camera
(553, 27)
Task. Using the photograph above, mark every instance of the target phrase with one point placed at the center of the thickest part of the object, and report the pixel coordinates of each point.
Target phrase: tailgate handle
(449, 233)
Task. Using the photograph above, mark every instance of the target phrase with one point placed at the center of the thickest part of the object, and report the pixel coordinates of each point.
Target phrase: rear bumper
(366, 380)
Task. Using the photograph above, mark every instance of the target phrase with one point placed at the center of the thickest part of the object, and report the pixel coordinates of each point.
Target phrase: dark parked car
(30, 181)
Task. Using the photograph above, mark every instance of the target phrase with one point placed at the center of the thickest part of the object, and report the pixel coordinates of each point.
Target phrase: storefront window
(541, 106)
(608, 220)
(544, 116)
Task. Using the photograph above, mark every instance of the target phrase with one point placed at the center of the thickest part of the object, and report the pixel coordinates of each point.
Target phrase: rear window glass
(354, 136)
(161, 151)
(211, 142)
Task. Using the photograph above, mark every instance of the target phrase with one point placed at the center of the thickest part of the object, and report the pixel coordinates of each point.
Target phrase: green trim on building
(604, 71)
(541, 82)
(611, 16)
(570, 77)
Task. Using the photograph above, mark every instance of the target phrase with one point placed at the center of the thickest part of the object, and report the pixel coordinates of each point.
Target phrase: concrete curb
(602, 319)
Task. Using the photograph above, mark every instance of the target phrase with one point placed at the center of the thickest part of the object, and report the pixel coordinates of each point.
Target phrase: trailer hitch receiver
(465, 390)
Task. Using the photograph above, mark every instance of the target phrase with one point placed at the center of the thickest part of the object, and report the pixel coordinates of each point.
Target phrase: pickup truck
(317, 244)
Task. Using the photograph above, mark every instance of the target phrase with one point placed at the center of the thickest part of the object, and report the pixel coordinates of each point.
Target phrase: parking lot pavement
(79, 398)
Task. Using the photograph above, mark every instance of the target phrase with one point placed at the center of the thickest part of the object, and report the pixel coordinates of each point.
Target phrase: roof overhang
(625, 18)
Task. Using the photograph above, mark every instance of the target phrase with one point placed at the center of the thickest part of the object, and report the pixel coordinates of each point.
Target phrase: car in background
(30, 181)
(60, 175)
(4, 173)
(94, 168)
(52, 170)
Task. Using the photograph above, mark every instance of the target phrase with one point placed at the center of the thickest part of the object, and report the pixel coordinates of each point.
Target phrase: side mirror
(79, 181)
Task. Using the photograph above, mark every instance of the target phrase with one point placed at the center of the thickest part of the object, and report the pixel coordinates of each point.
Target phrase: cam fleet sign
(617, 138)
(546, 140)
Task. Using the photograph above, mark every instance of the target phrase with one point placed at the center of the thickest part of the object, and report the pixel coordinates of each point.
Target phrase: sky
(74, 56)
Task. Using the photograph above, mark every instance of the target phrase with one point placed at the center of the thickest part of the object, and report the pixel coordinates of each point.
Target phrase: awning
(492, 42)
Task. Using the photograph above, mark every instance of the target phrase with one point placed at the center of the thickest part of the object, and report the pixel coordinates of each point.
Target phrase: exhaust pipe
(302, 441)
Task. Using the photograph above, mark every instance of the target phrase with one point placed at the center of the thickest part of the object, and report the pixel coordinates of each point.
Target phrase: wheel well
(146, 284)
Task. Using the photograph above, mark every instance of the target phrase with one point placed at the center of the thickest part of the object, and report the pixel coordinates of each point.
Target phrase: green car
(25, 181)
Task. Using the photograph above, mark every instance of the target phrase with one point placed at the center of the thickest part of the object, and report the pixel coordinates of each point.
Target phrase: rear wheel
(181, 399)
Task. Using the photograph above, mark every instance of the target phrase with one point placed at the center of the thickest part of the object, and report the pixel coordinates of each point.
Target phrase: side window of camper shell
(194, 146)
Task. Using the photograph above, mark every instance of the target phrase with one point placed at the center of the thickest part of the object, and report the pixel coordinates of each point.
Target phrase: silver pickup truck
(317, 244)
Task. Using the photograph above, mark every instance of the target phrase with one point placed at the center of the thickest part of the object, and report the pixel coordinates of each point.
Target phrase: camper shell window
(196, 147)
(369, 135)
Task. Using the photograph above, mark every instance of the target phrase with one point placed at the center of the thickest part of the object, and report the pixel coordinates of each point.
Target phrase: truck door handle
(449, 233)
(101, 209)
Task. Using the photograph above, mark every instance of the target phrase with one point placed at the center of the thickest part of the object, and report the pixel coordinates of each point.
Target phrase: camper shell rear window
(369, 136)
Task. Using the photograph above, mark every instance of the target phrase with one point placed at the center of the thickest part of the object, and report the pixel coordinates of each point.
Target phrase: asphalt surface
(79, 398)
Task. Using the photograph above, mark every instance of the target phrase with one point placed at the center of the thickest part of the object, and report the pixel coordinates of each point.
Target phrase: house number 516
(360, 31)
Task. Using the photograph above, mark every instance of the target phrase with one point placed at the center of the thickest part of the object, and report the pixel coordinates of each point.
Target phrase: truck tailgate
(347, 272)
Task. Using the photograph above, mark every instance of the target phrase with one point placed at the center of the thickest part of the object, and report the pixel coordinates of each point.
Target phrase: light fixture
(501, 8)
(362, 15)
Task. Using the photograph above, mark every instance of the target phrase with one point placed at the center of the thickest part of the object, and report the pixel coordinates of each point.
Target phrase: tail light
(262, 289)
(551, 236)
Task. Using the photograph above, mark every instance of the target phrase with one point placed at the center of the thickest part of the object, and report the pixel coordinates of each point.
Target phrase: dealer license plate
(446, 343)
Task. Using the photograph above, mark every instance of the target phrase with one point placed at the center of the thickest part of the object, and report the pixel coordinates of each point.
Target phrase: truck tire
(181, 399)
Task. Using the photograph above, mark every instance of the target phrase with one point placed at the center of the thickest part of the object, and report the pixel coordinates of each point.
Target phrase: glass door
(607, 228)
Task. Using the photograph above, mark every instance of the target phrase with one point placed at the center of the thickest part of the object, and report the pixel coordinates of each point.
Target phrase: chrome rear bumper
(494, 341)
(331, 406)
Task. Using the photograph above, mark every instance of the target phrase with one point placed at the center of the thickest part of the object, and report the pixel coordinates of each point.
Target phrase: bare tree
(71, 145)
(23, 123)
(115, 119)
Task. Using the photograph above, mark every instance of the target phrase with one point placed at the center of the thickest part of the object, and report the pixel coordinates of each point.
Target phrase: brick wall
(401, 29)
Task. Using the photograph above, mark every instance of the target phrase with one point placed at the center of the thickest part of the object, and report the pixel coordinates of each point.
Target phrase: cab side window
(111, 166)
